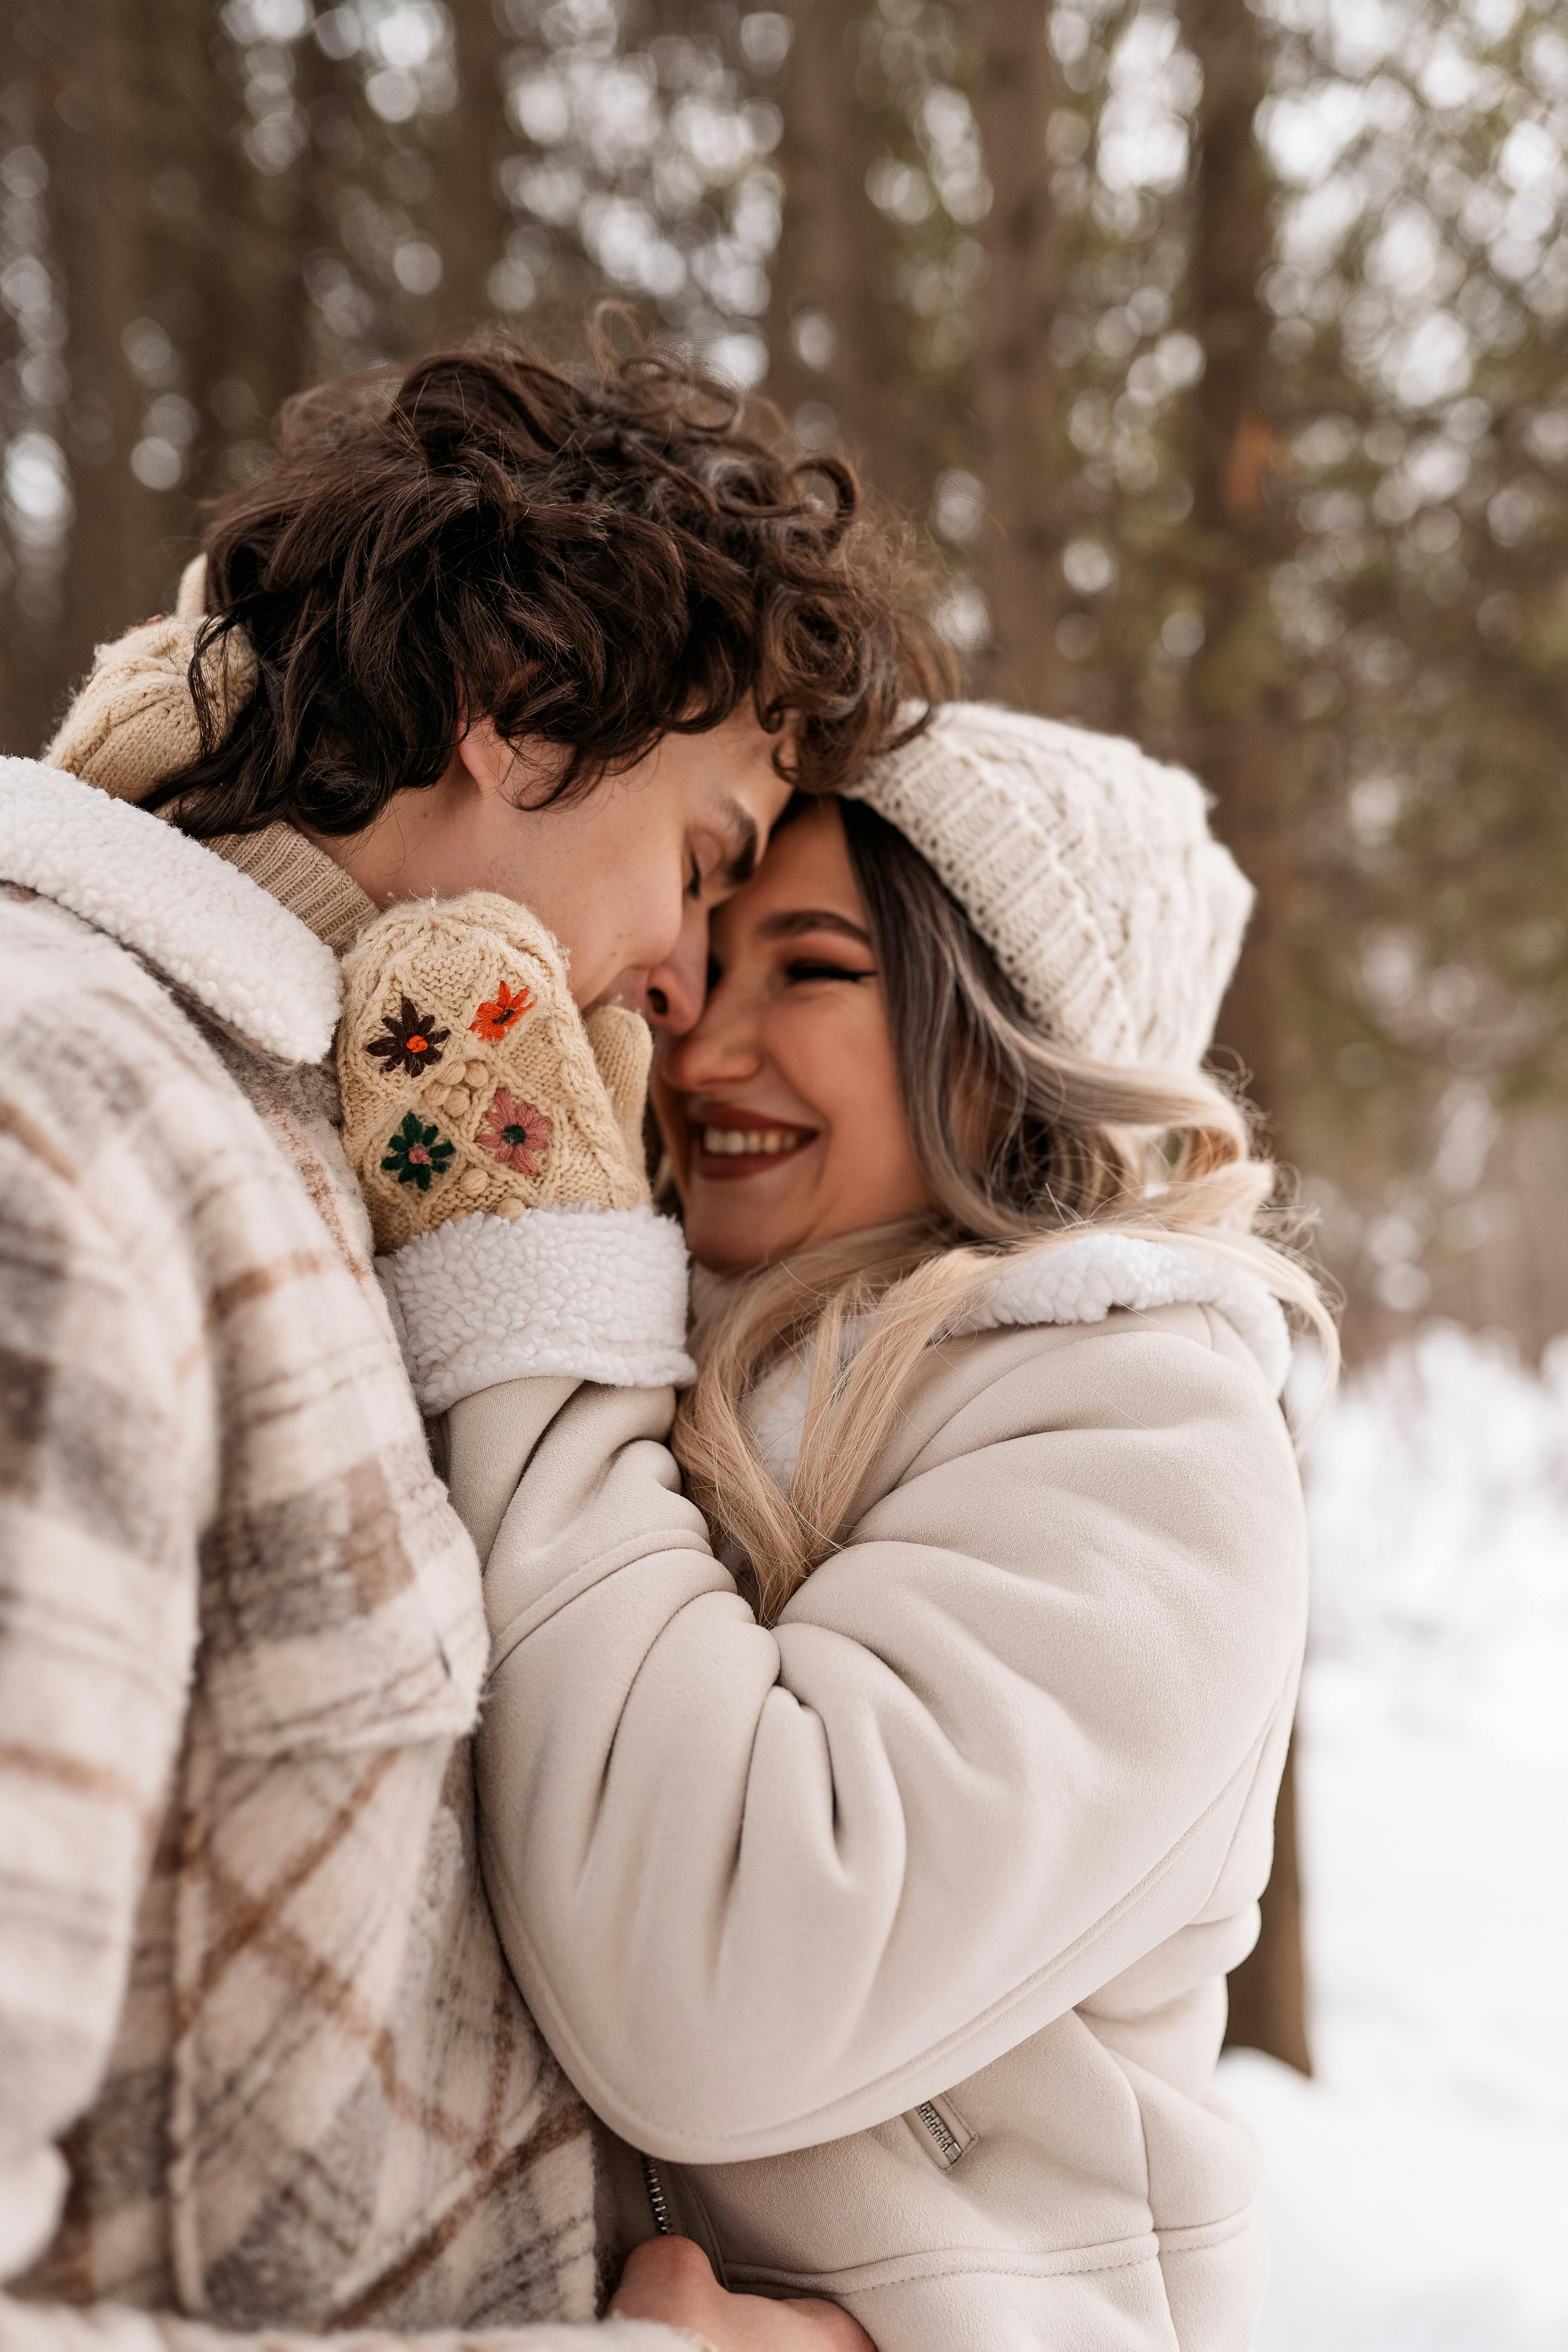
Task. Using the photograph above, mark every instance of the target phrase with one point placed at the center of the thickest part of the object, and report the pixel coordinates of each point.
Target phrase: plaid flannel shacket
(249, 1980)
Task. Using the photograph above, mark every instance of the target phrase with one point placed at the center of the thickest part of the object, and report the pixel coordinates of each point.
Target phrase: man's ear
(520, 773)
(485, 759)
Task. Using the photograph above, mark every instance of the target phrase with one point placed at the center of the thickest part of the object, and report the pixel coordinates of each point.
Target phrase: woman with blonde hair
(871, 1825)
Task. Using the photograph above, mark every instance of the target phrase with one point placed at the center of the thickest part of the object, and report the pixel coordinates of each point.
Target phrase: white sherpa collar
(1087, 1278)
(199, 921)
(1077, 1281)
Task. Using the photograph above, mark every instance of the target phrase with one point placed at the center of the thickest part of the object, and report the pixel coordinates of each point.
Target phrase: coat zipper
(940, 2130)
(691, 2222)
(657, 2198)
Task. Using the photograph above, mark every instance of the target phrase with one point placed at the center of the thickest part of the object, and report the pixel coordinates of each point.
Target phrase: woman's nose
(720, 1049)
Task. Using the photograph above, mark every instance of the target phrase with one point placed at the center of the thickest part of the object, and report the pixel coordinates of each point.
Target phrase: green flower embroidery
(414, 1155)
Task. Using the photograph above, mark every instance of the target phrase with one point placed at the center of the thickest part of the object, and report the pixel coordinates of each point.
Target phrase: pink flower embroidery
(516, 1132)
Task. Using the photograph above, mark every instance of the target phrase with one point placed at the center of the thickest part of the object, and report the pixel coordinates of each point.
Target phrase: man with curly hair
(569, 638)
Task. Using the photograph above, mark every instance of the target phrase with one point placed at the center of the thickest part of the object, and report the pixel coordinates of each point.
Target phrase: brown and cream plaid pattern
(248, 1980)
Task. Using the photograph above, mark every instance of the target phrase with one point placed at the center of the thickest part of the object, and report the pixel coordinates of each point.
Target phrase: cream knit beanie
(1087, 868)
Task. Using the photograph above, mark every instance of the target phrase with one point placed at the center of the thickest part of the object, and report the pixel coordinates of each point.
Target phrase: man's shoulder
(191, 919)
(78, 1001)
(111, 1097)
(36, 931)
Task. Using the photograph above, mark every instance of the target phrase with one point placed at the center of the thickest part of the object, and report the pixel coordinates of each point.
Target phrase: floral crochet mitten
(497, 1136)
(470, 1081)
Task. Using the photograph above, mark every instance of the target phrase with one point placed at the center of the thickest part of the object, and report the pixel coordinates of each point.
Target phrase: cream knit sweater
(303, 879)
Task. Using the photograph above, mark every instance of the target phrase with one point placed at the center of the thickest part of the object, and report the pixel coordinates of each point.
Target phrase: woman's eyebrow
(796, 920)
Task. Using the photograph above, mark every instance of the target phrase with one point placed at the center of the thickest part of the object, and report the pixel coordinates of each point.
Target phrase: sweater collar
(200, 922)
(302, 877)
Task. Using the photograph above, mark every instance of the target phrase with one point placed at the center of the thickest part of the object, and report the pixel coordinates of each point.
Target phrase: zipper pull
(941, 2131)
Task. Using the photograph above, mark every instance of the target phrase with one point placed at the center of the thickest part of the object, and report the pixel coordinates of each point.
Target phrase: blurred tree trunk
(159, 223)
(1018, 393)
(1244, 736)
(468, 218)
(265, 228)
(85, 59)
(230, 241)
(829, 323)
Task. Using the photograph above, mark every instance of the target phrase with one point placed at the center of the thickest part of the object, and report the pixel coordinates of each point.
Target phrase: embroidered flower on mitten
(539, 1107)
(412, 1041)
(516, 1132)
(414, 1155)
(505, 1009)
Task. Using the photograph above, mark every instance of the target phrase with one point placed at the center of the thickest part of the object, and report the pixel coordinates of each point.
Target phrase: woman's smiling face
(780, 1108)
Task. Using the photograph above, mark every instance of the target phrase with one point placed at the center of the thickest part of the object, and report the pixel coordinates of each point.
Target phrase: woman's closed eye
(806, 968)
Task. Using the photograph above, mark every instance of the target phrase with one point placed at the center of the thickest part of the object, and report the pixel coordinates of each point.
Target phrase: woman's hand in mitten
(497, 1136)
(134, 722)
(471, 1083)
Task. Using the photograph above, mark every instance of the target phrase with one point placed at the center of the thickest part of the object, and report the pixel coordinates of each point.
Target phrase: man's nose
(674, 990)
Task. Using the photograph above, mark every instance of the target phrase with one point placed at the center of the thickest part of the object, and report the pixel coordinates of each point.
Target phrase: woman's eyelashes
(804, 968)
(800, 968)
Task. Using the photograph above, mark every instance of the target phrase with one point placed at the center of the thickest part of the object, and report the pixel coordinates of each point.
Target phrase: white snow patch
(1402, 2224)
(1417, 2189)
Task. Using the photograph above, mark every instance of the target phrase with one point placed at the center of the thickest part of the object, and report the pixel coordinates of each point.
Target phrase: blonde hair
(1024, 1146)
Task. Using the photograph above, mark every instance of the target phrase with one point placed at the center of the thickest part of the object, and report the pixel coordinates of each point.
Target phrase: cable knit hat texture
(1088, 868)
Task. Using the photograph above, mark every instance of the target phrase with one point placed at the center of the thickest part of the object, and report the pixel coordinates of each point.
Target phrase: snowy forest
(1217, 353)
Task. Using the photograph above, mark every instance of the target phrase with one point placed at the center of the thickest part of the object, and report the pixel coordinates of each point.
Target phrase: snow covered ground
(1418, 2189)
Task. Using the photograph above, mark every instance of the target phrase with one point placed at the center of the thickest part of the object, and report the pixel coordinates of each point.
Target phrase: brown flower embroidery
(412, 1041)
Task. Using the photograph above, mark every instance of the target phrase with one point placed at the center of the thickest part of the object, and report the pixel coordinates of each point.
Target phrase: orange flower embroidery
(507, 1006)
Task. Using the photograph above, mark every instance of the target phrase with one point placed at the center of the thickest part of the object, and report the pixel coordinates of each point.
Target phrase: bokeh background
(1217, 351)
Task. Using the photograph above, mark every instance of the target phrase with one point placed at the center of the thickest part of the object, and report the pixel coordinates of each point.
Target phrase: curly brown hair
(596, 555)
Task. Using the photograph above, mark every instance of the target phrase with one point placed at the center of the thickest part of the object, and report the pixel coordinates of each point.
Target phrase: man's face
(624, 878)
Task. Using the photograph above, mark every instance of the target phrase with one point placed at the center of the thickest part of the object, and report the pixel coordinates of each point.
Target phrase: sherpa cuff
(597, 1294)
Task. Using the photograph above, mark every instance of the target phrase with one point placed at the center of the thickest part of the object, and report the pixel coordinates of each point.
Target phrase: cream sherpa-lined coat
(896, 1936)
(261, 2064)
